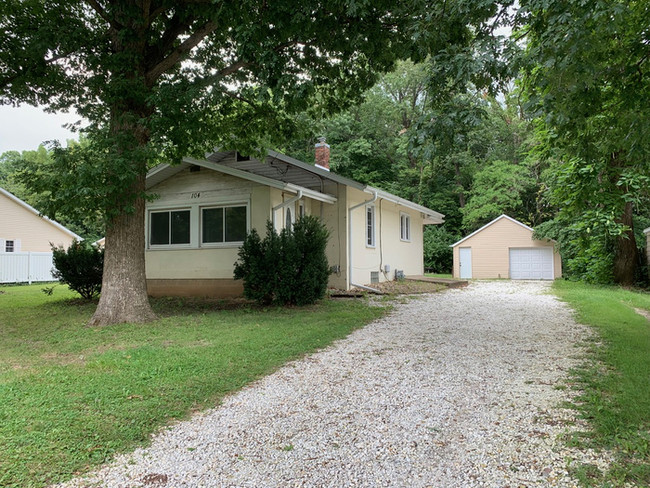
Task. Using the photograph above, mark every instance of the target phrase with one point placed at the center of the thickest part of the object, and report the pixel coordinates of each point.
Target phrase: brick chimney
(323, 154)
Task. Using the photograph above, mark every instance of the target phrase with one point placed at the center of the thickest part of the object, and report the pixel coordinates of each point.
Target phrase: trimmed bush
(80, 267)
(289, 268)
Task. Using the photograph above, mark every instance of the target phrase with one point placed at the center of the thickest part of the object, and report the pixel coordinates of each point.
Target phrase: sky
(24, 128)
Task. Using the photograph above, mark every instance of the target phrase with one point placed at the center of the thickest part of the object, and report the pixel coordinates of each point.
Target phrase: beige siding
(647, 242)
(335, 219)
(35, 233)
(389, 249)
(193, 270)
(491, 250)
(194, 191)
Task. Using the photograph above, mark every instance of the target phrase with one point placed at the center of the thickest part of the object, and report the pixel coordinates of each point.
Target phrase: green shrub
(437, 254)
(80, 267)
(289, 268)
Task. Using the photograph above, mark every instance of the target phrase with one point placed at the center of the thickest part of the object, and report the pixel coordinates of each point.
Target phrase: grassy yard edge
(71, 398)
(613, 382)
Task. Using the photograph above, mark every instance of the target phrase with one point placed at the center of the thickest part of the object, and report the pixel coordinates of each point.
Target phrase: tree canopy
(586, 72)
(162, 79)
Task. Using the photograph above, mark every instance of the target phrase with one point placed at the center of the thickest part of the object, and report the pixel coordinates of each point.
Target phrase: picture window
(223, 224)
(169, 227)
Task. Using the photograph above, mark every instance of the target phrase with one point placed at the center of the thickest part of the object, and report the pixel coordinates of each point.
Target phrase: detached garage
(505, 248)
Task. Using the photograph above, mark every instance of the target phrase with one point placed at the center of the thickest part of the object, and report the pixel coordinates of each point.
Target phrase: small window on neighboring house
(370, 226)
(9, 246)
(405, 227)
(223, 224)
(301, 210)
(169, 228)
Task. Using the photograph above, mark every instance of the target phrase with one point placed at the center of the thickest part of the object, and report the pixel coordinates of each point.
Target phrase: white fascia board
(263, 180)
(502, 216)
(647, 231)
(431, 216)
(14, 198)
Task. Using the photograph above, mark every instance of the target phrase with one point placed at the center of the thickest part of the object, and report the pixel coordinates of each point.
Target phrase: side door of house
(465, 254)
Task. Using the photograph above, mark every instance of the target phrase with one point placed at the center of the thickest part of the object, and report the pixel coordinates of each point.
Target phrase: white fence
(25, 267)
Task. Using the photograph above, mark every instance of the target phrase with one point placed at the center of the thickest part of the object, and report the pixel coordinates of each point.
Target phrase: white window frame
(169, 245)
(13, 245)
(370, 226)
(224, 243)
(404, 227)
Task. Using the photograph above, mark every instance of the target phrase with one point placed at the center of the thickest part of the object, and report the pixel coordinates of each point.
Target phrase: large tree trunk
(124, 286)
(626, 258)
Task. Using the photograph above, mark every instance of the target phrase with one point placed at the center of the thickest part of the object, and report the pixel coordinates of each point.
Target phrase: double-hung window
(10, 246)
(223, 224)
(169, 227)
(370, 226)
(405, 227)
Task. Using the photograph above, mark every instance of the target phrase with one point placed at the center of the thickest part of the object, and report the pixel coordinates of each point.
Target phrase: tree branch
(180, 52)
(102, 13)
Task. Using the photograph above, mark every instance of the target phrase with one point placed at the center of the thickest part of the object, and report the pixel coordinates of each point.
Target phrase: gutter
(367, 202)
(285, 204)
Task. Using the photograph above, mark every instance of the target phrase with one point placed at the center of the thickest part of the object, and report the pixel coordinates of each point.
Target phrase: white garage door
(531, 263)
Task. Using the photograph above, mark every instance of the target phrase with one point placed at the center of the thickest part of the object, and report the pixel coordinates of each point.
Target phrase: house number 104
(196, 194)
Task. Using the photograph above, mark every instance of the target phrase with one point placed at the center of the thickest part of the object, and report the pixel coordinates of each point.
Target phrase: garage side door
(531, 263)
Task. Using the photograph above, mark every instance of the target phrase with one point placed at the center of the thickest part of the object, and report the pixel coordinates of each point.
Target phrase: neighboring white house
(505, 248)
(22, 228)
(205, 207)
(647, 243)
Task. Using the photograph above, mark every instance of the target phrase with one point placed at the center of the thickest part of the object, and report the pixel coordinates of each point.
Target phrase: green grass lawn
(71, 397)
(438, 275)
(615, 381)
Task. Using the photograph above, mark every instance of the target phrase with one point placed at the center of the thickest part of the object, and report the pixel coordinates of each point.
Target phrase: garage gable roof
(503, 216)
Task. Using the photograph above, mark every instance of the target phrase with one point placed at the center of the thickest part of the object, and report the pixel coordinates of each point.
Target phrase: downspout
(285, 204)
(367, 202)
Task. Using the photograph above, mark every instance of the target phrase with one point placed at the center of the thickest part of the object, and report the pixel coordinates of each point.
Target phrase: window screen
(370, 226)
(170, 227)
(223, 224)
(405, 227)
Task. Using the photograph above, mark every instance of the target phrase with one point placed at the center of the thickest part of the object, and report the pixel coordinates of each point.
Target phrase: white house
(205, 207)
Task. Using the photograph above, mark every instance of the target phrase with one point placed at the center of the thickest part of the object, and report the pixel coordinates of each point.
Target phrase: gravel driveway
(454, 389)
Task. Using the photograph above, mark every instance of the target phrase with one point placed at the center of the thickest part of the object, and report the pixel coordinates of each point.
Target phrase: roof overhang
(647, 231)
(162, 172)
(429, 216)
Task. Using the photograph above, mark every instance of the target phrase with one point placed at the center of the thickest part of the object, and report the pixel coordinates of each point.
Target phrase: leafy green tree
(173, 78)
(437, 254)
(33, 177)
(586, 72)
(497, 188)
